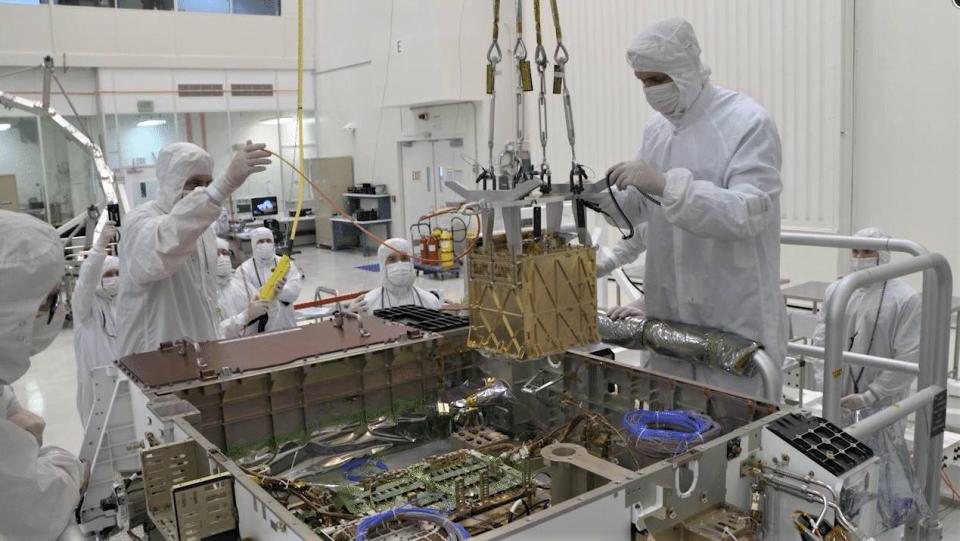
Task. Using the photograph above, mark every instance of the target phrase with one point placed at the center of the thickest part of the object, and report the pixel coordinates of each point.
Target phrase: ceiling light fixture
(275, 121)
(151, 122)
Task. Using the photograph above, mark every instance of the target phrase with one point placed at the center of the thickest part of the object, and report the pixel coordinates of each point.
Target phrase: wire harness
(454, 531)
(669, 432)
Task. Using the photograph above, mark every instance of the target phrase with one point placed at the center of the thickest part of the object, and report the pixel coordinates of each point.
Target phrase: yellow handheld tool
(269, 289)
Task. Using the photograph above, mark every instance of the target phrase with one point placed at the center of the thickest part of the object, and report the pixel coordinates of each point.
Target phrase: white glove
(357, 305)
(638, 174)
(853, 402)
(107, 235)
(257, 308)
(29, 421)
(248, 160)
(634, 309)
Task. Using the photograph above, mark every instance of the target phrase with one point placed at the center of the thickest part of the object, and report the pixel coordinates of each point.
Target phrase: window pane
(89, 3)
(142, 137)
(257, 7)
(69, 172)
(20, 158)
(207, 6)
(259, 127)
(163, 5)
(30, 2)
(288, 141)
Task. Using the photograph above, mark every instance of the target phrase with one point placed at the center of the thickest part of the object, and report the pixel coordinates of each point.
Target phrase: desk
(807, 291)
(340, 225)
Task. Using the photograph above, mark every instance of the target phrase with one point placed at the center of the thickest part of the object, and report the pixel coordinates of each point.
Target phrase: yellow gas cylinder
(446, 249)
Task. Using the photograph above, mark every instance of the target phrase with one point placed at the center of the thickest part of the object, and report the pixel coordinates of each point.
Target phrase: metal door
(418, 181)
(8, 193)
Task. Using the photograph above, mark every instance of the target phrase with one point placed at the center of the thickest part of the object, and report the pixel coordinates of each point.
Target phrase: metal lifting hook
(494, 54)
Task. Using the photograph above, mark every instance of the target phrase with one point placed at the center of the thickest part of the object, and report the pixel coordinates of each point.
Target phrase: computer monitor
(264, 206)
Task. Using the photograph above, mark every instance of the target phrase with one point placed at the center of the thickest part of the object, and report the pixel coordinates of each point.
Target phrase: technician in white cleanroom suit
(884, 320)
(254, 272)
(94, 316)
(712, 157)
(169, 251)
(396, 281)
(625, 252)
(234, 311)
(39, 487)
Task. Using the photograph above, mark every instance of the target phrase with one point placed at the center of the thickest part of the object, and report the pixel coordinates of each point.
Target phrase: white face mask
(43, 331)
(224, 267)
(264, 251)
(110, 285)
(860, 263)
(401, 274)
(664, 98)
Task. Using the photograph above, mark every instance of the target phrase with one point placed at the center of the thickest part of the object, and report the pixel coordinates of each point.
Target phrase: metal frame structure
(113, 194)
(933, 361)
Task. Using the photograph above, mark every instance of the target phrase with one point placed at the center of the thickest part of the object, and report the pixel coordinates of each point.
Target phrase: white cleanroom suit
(396, 283)
(254, 272)
(713, 247)
(883, 320)
(94, 321)
(169, 252)
(624, 252)
(234, 310)
(39, 487)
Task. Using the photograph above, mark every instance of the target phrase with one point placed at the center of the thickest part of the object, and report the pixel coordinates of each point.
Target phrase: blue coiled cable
(353, 464)
(455, 532)
(669, 432)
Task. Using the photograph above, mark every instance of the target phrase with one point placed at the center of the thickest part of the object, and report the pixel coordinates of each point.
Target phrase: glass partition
(21, 166)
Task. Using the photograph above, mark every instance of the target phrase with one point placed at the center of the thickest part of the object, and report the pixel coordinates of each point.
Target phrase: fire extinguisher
(429, 245)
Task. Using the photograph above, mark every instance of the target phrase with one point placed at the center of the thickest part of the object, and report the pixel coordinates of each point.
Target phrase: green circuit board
(444, 482)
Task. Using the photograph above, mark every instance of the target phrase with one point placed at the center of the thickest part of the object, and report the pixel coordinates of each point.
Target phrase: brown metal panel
(183, 362)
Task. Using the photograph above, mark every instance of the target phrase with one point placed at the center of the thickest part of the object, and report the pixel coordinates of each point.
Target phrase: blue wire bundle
(455, 532)
(350, 466)
(668, 432)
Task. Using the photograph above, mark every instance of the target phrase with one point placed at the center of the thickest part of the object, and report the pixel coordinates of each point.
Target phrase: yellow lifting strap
(556, 19)
(536, 19)
(301, 186)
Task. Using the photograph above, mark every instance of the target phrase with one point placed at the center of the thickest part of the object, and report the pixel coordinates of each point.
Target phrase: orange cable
(366, 231)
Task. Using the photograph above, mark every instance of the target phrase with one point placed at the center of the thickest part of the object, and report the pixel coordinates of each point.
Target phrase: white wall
(104, 37)
(355, 68)
(786, 54)
(907, 123)
(797, 74)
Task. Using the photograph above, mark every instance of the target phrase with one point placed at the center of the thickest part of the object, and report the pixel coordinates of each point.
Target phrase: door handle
(428, 179)
(440, 178)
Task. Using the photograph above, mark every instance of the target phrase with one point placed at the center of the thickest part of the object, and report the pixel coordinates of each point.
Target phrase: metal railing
(933, 358)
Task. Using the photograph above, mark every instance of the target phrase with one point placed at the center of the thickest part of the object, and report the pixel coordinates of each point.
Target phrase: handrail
(849, 357)
(934, 346)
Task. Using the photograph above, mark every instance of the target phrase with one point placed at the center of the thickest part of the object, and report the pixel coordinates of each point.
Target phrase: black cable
(873, 334)
(634, 284)
(620, 210)
(650, 197)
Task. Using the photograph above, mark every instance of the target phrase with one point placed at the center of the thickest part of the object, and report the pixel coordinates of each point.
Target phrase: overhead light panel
(275, 121)
(151, 122)
(4, 126)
